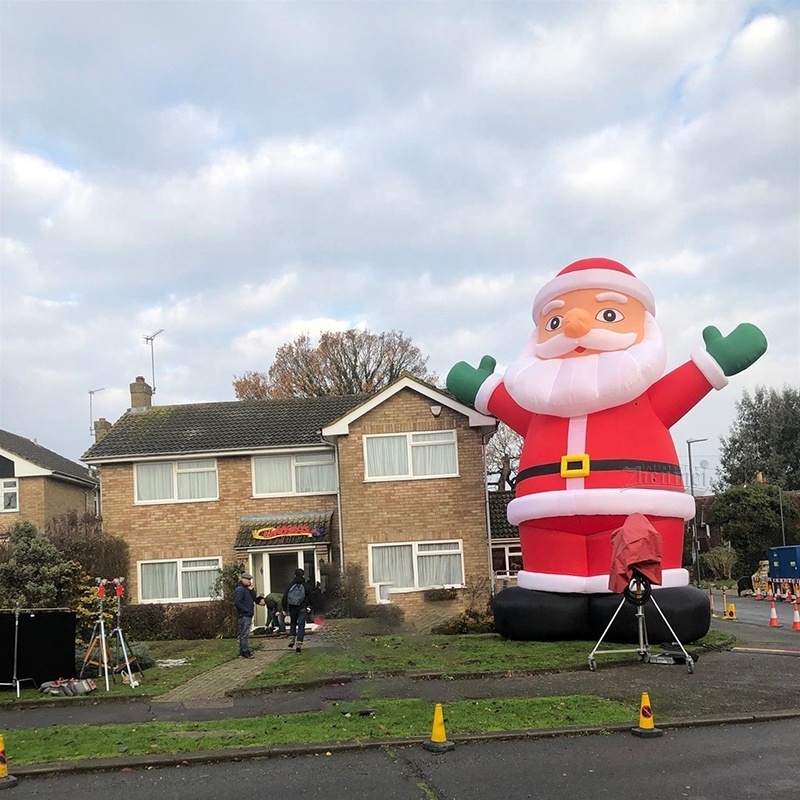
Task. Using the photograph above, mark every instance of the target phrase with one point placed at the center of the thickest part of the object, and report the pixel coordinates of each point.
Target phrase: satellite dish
(704, 464)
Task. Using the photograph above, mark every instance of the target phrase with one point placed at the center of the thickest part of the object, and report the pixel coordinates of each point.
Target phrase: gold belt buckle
(575, 466)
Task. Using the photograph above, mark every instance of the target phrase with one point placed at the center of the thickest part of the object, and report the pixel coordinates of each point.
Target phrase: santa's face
(592, 349)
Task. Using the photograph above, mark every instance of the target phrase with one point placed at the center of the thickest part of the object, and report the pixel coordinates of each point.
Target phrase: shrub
(146, 622)
(720, 562)
(389, 615)
(214, 619)
(437, 595)
(471, 621)
(82, 539)
(346, 592)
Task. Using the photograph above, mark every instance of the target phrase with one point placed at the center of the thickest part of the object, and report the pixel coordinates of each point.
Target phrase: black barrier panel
(46, 645)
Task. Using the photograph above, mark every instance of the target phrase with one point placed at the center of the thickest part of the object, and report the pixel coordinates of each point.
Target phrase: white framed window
(10, 495)
(175, 481)
(410, 566)
(404, 456)
(507, 557)
(178, 580)
(294, 473)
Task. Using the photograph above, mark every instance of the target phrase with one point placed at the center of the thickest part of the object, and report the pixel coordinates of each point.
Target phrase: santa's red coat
(636, 433)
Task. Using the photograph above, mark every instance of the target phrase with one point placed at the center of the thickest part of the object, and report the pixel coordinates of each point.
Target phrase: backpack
(296, 595)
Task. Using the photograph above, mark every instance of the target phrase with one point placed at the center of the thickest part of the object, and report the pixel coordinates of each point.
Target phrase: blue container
(784, 562)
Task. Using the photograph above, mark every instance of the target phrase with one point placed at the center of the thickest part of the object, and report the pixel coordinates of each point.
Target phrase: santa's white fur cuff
(711, 370)
(485, 392)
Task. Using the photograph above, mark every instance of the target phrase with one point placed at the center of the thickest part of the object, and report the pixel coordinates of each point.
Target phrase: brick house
(38, 484)
(393, 482)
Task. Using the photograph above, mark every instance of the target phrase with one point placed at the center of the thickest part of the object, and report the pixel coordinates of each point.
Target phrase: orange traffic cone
(788, 595)
(758, 596)
(773, 617)
(6, 780)
(647, 726)
(438, 742)
(796, 618)
(770, 595)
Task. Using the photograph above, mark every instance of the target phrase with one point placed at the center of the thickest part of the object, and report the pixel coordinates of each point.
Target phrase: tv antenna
(92, 393)
(149, 340)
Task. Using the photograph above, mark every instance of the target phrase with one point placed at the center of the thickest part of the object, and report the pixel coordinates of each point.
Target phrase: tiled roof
(44, 458)
(216, 427)
(315, 526)
(499, 526)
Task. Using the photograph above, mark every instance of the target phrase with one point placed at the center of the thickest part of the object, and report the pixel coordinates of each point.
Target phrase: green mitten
(464, 381)
(738, 350)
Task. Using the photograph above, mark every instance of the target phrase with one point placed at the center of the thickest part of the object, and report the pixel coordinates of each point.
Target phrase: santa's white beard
(572, 387)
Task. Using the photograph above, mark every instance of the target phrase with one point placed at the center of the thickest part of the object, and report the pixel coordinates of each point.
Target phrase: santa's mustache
(595, 339)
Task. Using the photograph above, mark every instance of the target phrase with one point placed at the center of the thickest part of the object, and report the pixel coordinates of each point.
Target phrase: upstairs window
(299, 473)
(10, 495)
(410, 455)
(176, 481)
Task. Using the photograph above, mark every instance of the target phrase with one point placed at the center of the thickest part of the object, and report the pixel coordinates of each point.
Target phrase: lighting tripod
(638, 593)
(99, 641)
(16, 681)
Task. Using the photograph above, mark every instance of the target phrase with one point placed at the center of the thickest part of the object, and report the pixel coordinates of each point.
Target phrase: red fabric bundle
(635, 545)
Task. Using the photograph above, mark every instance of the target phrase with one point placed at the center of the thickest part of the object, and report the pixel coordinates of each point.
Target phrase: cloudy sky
(238, 173)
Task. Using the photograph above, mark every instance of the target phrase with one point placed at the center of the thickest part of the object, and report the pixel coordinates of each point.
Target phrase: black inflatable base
(529, 615)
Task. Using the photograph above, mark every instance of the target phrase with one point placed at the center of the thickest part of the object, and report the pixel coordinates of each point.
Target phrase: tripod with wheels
(638, 593)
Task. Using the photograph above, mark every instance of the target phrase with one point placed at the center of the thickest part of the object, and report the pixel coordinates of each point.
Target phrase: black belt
(603, 465)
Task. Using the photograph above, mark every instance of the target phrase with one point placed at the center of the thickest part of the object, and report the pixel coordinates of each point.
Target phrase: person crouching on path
(297, 601)
(244, 599)
(275, 621)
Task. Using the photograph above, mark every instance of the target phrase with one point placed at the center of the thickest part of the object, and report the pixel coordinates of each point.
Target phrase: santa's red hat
(594, 273)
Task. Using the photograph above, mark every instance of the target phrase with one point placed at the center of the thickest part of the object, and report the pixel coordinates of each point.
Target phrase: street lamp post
(695, 543)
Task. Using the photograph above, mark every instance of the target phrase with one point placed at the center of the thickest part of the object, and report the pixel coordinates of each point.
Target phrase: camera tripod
(638, 593)
(99, 640)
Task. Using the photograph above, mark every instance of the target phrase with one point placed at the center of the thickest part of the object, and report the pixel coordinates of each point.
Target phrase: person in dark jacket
(275, 620)
(297, 601)
(244, 599)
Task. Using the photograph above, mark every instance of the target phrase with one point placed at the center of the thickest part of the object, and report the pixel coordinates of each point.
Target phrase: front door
(281, 570)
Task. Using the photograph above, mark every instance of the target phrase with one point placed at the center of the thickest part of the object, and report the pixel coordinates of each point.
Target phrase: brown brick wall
(40, 498)
(414, 510)
(191, 530)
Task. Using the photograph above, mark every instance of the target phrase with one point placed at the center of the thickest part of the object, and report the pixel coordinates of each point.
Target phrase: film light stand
(98, 639)
(15, 680)
(638, 593)
(122, 661)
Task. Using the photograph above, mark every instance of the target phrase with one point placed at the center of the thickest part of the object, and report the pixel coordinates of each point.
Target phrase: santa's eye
(554, 323)
(609, 315)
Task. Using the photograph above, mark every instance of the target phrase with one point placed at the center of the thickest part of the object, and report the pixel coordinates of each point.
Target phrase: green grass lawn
(202, 655)
(358, 652)
(340, 723)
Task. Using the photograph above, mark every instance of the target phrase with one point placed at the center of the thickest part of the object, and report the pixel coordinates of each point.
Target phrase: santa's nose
(577, 323)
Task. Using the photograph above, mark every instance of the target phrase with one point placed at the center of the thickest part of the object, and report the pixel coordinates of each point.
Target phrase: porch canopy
(263, 530)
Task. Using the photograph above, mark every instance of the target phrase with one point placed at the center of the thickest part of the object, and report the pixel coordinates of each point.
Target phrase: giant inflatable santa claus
(588, 396)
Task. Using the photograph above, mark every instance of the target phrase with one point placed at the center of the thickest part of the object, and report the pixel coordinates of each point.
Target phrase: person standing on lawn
(244, 599)
(297, 600)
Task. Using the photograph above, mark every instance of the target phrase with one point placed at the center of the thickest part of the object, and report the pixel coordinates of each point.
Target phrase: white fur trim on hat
(570, 503)
(593, 584)
(593, 278)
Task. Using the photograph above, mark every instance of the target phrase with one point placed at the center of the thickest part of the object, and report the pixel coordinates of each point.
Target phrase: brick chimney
(141, 395)
(101, 427)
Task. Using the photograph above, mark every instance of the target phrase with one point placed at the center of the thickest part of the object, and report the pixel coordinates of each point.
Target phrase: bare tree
(342, 363)
(502, 458)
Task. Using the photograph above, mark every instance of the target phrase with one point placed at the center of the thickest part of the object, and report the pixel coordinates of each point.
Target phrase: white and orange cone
(796, 618)
(773, 617)
(758, 596)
